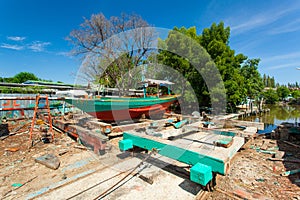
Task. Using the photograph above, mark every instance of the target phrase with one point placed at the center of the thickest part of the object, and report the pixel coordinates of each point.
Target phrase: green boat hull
(123, 108)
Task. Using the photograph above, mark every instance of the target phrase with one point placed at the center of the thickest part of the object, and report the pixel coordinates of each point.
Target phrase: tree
(239, 74)
(282, 92)
(268, 81)
(272, 82)
(265, 80)
(270, 96)
(253, 80)
(197, 76)
(177, 42)
(24, 76)
(113, 48)
(216, 41)
(296, 94)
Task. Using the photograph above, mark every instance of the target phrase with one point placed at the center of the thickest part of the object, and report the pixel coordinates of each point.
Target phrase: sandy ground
(83, 175)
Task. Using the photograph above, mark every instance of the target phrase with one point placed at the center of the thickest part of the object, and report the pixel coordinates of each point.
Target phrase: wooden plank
(132, 126)
(104, 127)
(238, 123)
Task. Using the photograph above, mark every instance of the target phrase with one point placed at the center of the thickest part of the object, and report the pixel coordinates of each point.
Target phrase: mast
(143, 80)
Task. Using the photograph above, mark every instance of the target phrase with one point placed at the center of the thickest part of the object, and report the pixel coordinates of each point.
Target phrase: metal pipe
(28, 98)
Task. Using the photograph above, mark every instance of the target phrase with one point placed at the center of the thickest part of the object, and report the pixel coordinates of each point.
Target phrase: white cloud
(11, 46)
(38, 46)
(16, 38)
(287, 28)
(64, 53)
(257, 20)
(293, 65)
(293, 55)
(289, 60)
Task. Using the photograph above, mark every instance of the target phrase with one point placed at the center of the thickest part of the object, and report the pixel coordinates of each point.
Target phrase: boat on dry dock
(126, 108)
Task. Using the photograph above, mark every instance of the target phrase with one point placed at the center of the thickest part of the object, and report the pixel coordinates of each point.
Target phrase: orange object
(11, 104)
(15, 104)
(7, 103)
(12, 149)
(36, 111)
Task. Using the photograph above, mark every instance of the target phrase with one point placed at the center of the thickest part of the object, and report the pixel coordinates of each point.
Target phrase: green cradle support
(201, 174)
(203, 165)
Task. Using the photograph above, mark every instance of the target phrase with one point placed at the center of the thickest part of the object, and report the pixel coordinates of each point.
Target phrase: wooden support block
(125, 144)
(88, 138)
(201, 174)
(104, 127)
(224, 142)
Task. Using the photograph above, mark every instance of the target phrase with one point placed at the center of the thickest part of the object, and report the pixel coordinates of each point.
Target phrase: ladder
(41, 103)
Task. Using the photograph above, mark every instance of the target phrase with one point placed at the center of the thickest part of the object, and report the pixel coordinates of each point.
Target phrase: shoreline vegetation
(292, 102)
(277, 95)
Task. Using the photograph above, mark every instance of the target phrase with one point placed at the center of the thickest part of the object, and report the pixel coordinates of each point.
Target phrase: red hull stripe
(133, 113)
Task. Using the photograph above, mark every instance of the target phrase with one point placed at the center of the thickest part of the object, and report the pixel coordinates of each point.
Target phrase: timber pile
(287, 131)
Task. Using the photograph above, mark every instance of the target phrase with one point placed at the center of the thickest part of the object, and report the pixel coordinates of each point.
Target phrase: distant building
(45, 86)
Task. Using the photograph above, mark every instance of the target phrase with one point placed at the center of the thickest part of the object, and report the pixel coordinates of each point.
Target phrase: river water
(277, 115)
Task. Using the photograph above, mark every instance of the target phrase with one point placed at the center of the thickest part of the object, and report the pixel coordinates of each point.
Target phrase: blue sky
(33, 32)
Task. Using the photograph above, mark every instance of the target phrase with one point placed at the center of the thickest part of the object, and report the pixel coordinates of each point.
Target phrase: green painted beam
(226, 133)
(174, 152)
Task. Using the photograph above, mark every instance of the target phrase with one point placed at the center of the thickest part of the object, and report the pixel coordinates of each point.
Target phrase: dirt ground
(18, 166)
(252, 175)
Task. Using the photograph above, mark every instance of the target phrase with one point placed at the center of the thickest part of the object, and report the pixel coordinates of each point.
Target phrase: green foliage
(283, 92)
(253, 81)
(296, 94)
(8, 80)
(215, 40)
(20, 78)
(239, 74)
(293, 85)
(268, 81)
(270, 96)
(187, 76)
(24, 76)
(22, 90)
